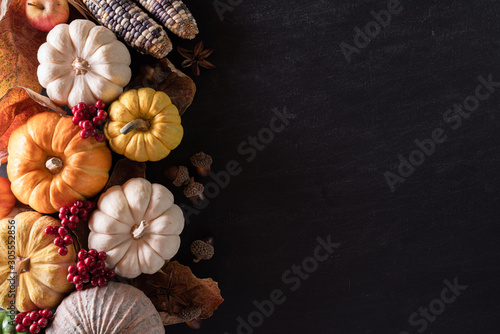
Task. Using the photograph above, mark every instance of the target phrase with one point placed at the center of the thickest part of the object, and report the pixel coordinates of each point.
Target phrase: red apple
(46, 14)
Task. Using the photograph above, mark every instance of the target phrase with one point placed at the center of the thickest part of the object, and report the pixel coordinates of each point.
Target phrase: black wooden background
(324, 175)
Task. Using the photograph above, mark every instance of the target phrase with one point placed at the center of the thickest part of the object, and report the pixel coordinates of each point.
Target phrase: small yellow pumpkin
(143, 125)
(32, 273)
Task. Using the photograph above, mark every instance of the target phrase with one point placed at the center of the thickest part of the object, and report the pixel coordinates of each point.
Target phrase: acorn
(202, 163)
(195, 323)
(189, 313)
(179, 175)
(202, 249)
(194, 191)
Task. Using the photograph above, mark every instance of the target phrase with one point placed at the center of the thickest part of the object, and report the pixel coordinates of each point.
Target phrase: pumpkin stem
(22, 265)
(54, 165)
(138, 123)
(80, 66)
(139, 231)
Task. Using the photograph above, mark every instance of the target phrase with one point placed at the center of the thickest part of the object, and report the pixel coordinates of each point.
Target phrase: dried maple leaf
(163, 76)
(174, 288)
(16, 106)
(19, 43)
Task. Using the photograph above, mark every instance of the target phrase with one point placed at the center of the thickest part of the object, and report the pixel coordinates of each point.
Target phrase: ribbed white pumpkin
(82, 62)
(138, 226)
(116, 308)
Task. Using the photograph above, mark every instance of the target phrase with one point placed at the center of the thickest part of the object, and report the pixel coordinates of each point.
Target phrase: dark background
(324, 174)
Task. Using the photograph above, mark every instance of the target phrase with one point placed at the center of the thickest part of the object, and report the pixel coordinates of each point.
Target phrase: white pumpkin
(138, 226)
(82, 62)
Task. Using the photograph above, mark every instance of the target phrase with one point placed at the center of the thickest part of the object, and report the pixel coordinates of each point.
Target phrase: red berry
(62, 231)
(83, 215)
(92, 252)
(64, 210)
(90, 261)
(42, 322)
(81, 106)
(35, 328)
(65, 222)
(20, 328)
(102, 256)
(102, 281)
(92, 110)
(68, 240)
(63, 250)
(87, 125)
(70, 277)
(75, 120)
(89, 205)
(86, 116)
(102, 114)
(100, 104)
(34, 315)
(27, 321)
(100, 137)
(82, 270)
(74, 219)
(74, 109)
(62, 216)
(77, 279)
(74, 210)
(81, 264)
(59, 242)
(72, 226)
(79, 287)
(18, 319)
(78, 114)
(100, 265)
(92, 132)
(97, 121)
(84, 134)
(100, 272)
(110, 273)
(85, 278)
(78, 204)
(72, 269)
(49, 230)
(92, 270)
(46, 313)
(94, 281)
(80, 124)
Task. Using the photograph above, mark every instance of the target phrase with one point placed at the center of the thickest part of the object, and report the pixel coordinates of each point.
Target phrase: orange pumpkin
(7, 198)
(29, 256)
(50, 166)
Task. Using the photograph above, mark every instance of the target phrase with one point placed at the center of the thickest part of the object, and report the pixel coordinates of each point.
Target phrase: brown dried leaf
(19, 43)
(125, 170)
(16, 106)
(175, 287)
(163, 76)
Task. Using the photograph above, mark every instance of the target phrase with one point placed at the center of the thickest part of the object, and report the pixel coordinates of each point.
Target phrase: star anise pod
(196, 58)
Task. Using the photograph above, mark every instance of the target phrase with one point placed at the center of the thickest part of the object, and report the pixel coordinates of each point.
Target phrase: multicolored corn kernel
(130, 23)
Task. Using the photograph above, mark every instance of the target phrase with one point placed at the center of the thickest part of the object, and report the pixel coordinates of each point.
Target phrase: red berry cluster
(70, 217)
(32, 321)
(90, 268)
(88, 118)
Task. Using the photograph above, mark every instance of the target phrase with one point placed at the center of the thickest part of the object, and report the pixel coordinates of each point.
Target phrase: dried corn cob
(174, 15)
(129, 22)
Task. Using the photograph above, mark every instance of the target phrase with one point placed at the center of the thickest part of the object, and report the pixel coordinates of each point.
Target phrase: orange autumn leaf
(16, 106)
(19, 43)
(174, 288)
